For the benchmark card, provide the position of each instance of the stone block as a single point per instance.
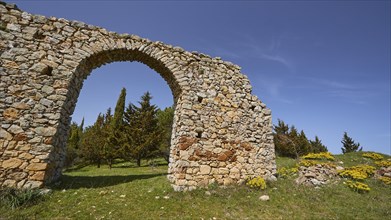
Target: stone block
(18, 176)
(40, 175)
(10, 114)
(37, 166)
(11, 163)
(205, 169)
(30, 184)
(9, 183)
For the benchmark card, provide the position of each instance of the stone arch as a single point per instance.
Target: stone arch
(222, 133)
(99, 57)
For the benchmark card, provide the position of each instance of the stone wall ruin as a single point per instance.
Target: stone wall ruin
(222, 133)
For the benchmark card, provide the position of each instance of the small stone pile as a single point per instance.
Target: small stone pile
(317, 175)
(383, 172)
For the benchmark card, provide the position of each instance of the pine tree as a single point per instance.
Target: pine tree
(317, 146)
(113, 146)
(290, 143)
(303, 145)
(142, 134)
(281, 128)
(349, 145)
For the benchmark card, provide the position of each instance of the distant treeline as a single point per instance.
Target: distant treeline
(133, 133)
(291, 143)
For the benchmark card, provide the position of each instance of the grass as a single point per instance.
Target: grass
(129, 192)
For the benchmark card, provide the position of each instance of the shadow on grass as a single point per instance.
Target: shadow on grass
(77, 167)
(77, 182)
(150, 164)
(118, 164)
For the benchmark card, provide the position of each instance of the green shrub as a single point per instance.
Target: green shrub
(14, 198)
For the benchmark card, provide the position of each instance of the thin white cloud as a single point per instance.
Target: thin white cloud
(269, 52)
(273, 87)
(278, 59)
(226, 53)
(275, 44)
(335, 84)
(350, 92)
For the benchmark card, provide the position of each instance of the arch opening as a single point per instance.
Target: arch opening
(82, 72)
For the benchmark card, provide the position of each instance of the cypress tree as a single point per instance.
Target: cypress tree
(165, 120)
(81, 125)
(117, 121)
(73, 144)
(113, 148)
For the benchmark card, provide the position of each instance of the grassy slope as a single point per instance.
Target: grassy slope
(127, 192)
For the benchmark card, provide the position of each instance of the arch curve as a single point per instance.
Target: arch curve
(221, 133)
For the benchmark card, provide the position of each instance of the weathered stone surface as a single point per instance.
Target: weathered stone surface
(18, 175)
(45, 131)
(26, 156)
(221, 132)
(205, 169)
(317, 175)
(37, 166)
(38, 176)
(14, 129)
(39, 68)
(5, 135)
(9, 183)
(20, 137)
(32, 184)
(12, 163)
(20, 105)
(264, 198)
(10, 114)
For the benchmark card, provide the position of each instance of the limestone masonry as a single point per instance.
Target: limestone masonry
(222, 133)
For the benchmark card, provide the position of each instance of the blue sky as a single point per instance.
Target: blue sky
(323, 66)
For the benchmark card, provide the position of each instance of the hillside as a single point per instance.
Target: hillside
(129, 192)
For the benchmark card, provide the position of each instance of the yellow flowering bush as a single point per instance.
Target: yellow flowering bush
(373, 156)
(321, 155)
(358, 172)
(386, 180)
(257, 182)
(357, 186)
(383, 163)
(309, 163)
(284, 171)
